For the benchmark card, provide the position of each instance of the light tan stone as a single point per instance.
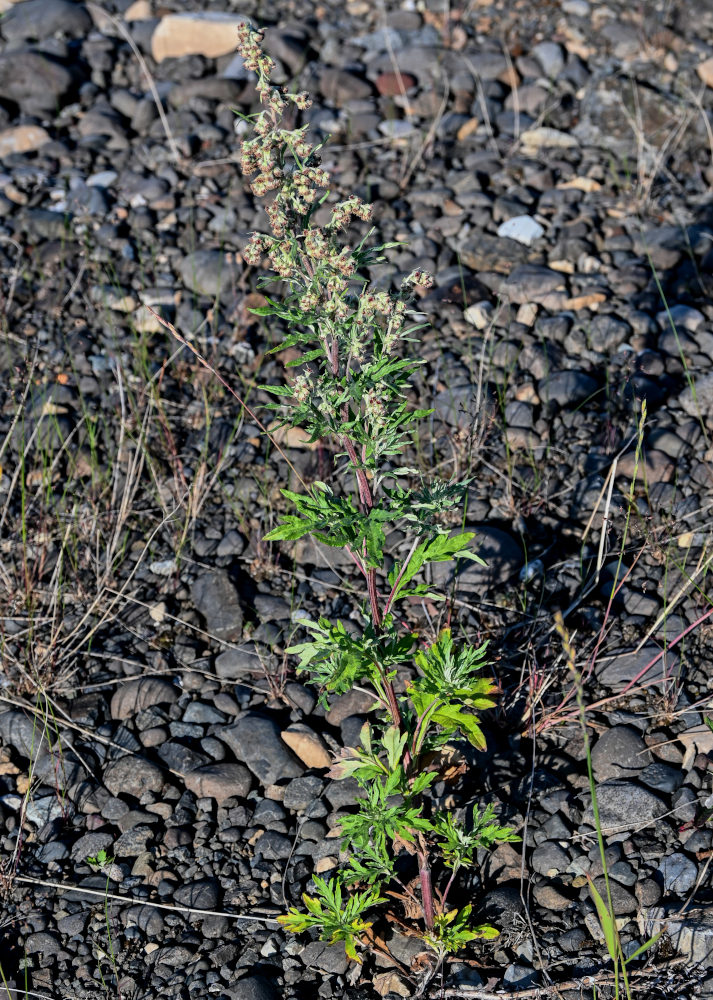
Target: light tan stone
(22, 139)
(139, 10)
(209, 33)
(308, 745)
(705, 71)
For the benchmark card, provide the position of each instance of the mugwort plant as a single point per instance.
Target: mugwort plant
(350, 384)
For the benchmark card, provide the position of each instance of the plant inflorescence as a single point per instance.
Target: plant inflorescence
(350, 384)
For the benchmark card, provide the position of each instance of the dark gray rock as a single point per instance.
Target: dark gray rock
(216, 598)
(133, 775)
(273, 846)
(624, 806)
(141, 692)
(679, 874)
(255, 740)
(549, 859)
(567, 388)
(234, 663)
(501, 552)
(203, 894)
(330, 958)
(38, 84)
(181, 758)
(621, 668)
(90, 845)
(662, 778)
(252, 988)
(35, 20)
(339, 86)
(620, 752)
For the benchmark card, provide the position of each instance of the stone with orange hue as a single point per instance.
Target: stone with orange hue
(392, 84)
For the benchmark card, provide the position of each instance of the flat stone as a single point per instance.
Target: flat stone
(203, 894)
(90, 845)
(679, 874)
(567, 388)
(532, 283)
(544, 137)
(308, 745)
(35, 20)
(133, 775)
(623, 806)
(691, 935)
(141, 692)
(219, 781)
(618, 670)
(521, 228)
(181, 758)
(255, 740)
(274, 846)
(620, 752)
(216, 599)
(133, 842)
(253, 988)
(549, 859)
(208, 33)
(325, 957)
(38, 84)
(392, 84)
(22, 139)
(502, 554)
(209, 273)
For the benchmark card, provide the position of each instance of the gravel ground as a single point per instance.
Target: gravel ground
(550, 163)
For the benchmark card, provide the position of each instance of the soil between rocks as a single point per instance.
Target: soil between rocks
(550, 164)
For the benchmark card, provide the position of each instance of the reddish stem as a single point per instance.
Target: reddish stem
(424, 874)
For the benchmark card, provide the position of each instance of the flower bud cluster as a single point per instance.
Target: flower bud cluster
(417, 277)
(343, 212)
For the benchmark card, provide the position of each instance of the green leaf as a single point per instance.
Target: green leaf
(606, 921)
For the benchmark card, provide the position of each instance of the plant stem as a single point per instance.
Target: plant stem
(424, 874)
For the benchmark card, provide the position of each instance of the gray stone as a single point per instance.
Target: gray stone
(255, 740)
(549, 859)
(623, 901)
(662, 778)
(273, 846)
(252, 988)
(209, 273)
(679, 874)
(133, 842)
(38, 84)
(532, 283)
(90, 845)
(219, 781)
(35, 20)
(203, 894)
(132, 775)
(567, 388)
(691, 934)
(302, 792)
(624, 806)
(42, 943)
(180, 758)
(620, 752)
(216, 599)
(141, 692)
(550, 57)
(623, 667)
(234, 663)
(502, 554)
(329, 958)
